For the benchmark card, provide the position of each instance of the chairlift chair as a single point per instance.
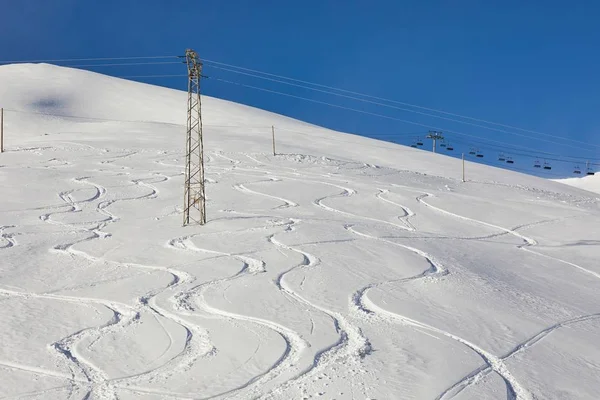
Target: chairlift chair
(449, 147)
(590, 173)
(413, 145)
(577, 170)
(509, 160)
(501, 157)
(479, 154)
(547, 166)
(419, 142)
(472, 151)
(537, 164)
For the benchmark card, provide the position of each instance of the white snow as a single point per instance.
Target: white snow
(589, 182)
(342, 268)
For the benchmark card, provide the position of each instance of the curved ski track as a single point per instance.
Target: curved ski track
(407, 211)
(494, 363)
(123, 315)
(360, 297)
(529, 242)
(186, 302)
(478, 374)
(244, 189)
(8, 238)
(361, 302)
(351, 345)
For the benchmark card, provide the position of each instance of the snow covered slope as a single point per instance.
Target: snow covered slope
(342, 268)
(590, 183)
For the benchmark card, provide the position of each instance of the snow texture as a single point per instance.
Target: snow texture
(588, 182)
(341, 268)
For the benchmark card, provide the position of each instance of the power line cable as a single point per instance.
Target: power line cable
(122, 64)
(84, 59)
(388, 100)
(370, 113)
(151, 76)
(396, 107)
(301, 81)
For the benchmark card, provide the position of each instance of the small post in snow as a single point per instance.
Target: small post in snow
(1, 130)
(273, 132)
(463, 166)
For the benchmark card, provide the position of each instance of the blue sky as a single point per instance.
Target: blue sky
(533, 65)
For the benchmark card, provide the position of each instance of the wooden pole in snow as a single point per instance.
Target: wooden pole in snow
(1, 130)
(273, 132)
(463, 166)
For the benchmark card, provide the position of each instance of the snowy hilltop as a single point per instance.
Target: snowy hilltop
(340, 268)
(590, 183)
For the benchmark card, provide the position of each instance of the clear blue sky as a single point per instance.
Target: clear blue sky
(530, 64)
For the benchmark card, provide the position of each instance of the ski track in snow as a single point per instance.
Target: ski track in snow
(529, 242)
(362, 302)
(352, 344)
(407, 211)
(287, 203)
(123, 315)
(478, 374)
(360, 298)
(188, 297)
(187, 300)
(496, 364)
(8, 238)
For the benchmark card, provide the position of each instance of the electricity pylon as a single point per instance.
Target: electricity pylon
(194, 199)
(435, 135)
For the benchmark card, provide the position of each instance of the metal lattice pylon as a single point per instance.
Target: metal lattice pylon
(194, 207)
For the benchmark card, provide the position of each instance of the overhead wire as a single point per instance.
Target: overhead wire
(218, 64)
(388, 100)
(152, 76)
(581, 159)
(84, 59)
(397, 108)
(121, 64)
(364, 112)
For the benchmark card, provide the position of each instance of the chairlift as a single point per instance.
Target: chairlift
(501, 157)
(588, 171)
(577, 170)
(479, 154)
(443, 144)
(509, 160)
(537, 164)
(419, 142)
(547, 166)
(449, 147)
(472, 151)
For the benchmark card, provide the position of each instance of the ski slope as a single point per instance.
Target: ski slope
(342, 268)
(590, 183)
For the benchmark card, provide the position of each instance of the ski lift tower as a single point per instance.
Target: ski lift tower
(435, 136)
(194, 208)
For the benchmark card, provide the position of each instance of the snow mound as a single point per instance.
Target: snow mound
(590, 183)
